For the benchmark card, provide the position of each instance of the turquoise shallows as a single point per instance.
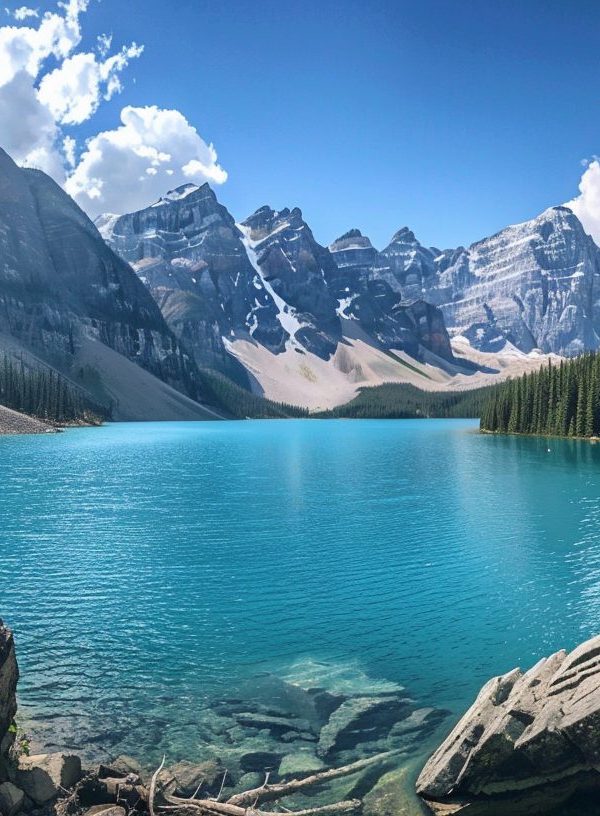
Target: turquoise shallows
(147, 568)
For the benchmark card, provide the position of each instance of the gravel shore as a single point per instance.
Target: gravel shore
(12, 422)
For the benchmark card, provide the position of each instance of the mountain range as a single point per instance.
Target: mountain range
(143, 310)
(263, 302)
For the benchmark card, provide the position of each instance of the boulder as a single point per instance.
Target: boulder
(11, 799)
(392, 795)
(529, 742)
(259, 761)
(126, 765)
(43, 776)
(189, 775)
(275, 725)
(360, 719)
(300, 763)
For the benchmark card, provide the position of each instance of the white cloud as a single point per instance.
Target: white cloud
(103, 44)
(152, 151)
(586, 205)
(23, 12)
(27, 128)
(69, 148)
(26, 48)
(74, 91)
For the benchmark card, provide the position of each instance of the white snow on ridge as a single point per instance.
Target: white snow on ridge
(285, 314)
(105, 224)
(181, 192)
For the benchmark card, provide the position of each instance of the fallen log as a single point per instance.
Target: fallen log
(269, 793)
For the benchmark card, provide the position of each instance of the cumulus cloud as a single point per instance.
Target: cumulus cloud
(74, 91)
(23, 12)
(34, 103)
(26, 48)
(48, 86)
(152, 151)
(586, 205)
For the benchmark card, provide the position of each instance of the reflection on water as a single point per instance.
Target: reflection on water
(149, 569)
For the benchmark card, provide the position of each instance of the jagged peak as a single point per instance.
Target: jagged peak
(183, 191)
(352, 233)
(404, 236)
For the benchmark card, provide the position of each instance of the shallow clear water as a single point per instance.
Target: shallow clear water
(146, 568)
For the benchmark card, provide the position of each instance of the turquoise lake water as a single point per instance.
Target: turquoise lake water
(146, 568)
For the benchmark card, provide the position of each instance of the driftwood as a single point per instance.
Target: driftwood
(212, 808)
(152, 792)
(268, 793)
(245, 804)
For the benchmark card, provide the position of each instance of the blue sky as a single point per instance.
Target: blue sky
(454, 118)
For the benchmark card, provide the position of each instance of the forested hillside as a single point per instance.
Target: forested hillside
(404, 401)
(559, 400)
(45, 394)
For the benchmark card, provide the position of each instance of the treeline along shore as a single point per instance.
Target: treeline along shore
(558, 400)
(561, 399)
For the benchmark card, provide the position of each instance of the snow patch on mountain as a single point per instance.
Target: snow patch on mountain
(285, 314)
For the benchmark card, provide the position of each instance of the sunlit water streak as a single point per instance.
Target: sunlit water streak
(148, 567)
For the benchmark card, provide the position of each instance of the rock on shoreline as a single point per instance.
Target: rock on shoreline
(13, 422)
(529, 743)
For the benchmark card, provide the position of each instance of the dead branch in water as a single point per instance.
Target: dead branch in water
(152, 791)
(212, 808)
(268, 793)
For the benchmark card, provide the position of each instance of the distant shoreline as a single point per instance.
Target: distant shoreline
(14, 423)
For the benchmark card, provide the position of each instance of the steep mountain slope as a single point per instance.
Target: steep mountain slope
(263, 301)
(61, 286)
(532, 285)
(361, 283)
(187, 249)
(295, 268)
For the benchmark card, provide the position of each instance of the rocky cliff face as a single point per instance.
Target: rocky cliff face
(535, 285)
(265, 280)
(187, 249)
(411, 266)
(529, 742)
(296, 268)
(9, 675)
(59, 282)
(368, 291)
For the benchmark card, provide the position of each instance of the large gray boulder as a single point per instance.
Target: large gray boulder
(43, 776)
(529, 742)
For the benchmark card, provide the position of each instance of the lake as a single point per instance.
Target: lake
(149, 569)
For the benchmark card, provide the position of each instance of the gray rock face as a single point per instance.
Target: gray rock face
(369, 292)
(535, 284)
(9, 675)
(266, 279)
(11, 799)
(530, 740)
(187, 249)
(59, 281)
(411, 267)
(297, 269)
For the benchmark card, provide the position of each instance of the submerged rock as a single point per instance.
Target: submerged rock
(529, 742)
(360, 719)
(190, 776)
